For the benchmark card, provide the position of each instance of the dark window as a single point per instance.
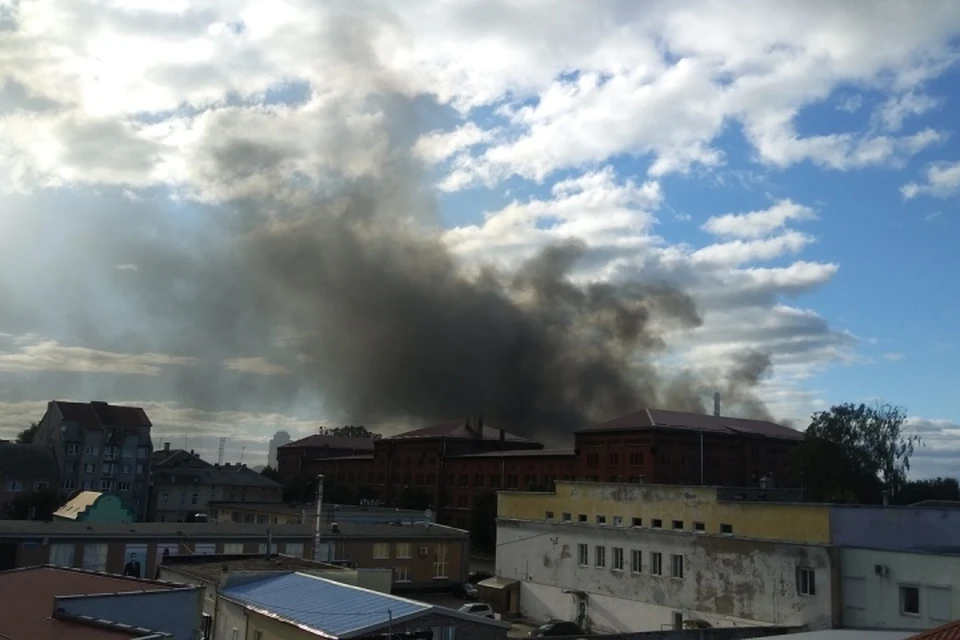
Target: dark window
(601, 519)
(419, 479)
(909, 600)
(582, 517)
(478, 480)
(566, 517)
(806, 581)
(494, 481)
(678, 524)
(699, 526)
(461, 501)
(657, 523)
(464, 480)
(549, 515)
(613, 460)
(380, 478)
(726, 529)
(637, 522)
(593, 460)
(431, 478)
(636, 458)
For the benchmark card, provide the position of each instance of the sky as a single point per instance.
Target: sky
(791, 167)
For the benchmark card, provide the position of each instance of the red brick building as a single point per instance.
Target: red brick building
(455, 462)
(298, 459)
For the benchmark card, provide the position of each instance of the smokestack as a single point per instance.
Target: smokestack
(716, 404)
(317, 522)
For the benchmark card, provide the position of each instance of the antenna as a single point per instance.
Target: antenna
(242, 449)
(184, 442)
(223, 443)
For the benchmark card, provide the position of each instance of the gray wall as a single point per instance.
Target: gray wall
(175, 611)
(894, 528)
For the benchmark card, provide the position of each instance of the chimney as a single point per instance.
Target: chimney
(503, 438)
(166, 446)
(716, 404)
(886, 498)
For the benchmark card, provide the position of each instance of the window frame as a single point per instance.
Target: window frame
(903, 610)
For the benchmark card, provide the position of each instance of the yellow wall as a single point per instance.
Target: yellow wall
(225, 514)
(769, 521)
(272, 629)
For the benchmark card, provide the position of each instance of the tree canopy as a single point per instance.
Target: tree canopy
(350, 431)
(852, 453)
(26, 436)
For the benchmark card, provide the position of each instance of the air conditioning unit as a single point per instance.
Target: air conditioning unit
(424, 551)
(881, 570)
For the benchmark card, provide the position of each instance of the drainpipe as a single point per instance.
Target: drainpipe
(317, 523)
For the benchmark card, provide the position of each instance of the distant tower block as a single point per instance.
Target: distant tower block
(223, 444)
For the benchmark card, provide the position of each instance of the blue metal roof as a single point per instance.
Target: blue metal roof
(333, 609)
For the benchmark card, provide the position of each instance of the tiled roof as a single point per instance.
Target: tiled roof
(226, 475)
(27, 462)
(28, 597)
(681, 420)
(521, 453)
(331, 442)
(949, 631)
(333, 609)
(459, 429)
(98, 413)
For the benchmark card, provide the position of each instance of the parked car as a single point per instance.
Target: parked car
(479, 609)
(556, 628)
(466, 591)
(476, 577)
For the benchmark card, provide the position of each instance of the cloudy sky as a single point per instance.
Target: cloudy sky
(792, 167)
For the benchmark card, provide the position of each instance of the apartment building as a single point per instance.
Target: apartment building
(99, 447)
(455, 463)
(618, 557)
(24, 469)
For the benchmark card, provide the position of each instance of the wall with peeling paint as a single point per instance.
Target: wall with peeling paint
(872, 601)
(726, 580)
(795, 522)
(894, 528)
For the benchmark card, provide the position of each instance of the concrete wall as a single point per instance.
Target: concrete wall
(175, 611)
(727, 581)
(806, 523)
(272, 629)
(894, 528)
(229, 617)
(872, 601)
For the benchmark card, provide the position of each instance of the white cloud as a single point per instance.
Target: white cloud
(941, 180)
(896, 109)
(49, 355)
(437, 146)
(257, 365)
(756, 224)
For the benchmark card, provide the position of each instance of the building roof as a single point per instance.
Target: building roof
(194, 530)
(176, 458)
(331, 442)
(403, 530)
(101, 414)
(27, 462)
(521, 453)
(461, 430)
(937, 504)
(329, 608)
(361, 456)
(212, 567)
(681, 420)
(949, 631)
(230, 475)
(27, 605)
(83, 501)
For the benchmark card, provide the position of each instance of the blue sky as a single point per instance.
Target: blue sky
(800, 183)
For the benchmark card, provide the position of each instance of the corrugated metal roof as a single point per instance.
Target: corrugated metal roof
(331, 608)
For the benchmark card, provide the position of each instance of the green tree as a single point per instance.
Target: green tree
(273, 474)
(852, 453)
(33, 505)
(351, 431)
(26, 436)
(483, 522)
(930, 489)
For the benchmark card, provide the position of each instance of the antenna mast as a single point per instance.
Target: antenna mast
(223, 443)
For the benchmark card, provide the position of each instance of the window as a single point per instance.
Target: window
(677, 620)
(676, 566)
(601, 519)
(600, 556)
(464, 480)
(699, 527)
(401, 574)
(566, 517)
(68, 484)
(582, 517)
(381, 550)
(583, 558)
(233, 548)
(806, 581)
(163, 498)
(678, 524)
(478, 480)
(124, 486)
(726, 529)
(593, 460)
(613, 460)
(71, 466)
(636, 522)
(657, 523)
(618, 559)
(294, 549)
(139, 468)
(909, 600)
(440, 561)
(61, 555)
(549, 515)
(73, 449)
(235, 635)
(95, 557)
(14, 486)
(656, 563)
(636, 561)
(636, 459)
(262, 549)
(142, 453)
(89, 467)
(258, 635)
(106, 485)
(90, 450)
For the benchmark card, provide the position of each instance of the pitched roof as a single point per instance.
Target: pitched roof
(98, 413)
(459, 429)
(232, 475)
(27, 604)
(27, 462)
(949, 631)
(331, 442)
(177, 458)
(682, 420)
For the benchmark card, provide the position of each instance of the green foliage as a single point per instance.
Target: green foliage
(33, 505)
(852, 453)
(350, 431)
(273, 474)
(483, 522)
(930, 489)
(26, 436)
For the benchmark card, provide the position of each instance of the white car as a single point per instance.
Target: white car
(479, 609)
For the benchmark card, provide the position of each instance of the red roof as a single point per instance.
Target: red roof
(332, 442)
(102, 414)
(459, 429)
(949, 631)
(27, 604)
(681, 420)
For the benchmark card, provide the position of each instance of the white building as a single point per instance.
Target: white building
(899, 589)
(640, 579)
